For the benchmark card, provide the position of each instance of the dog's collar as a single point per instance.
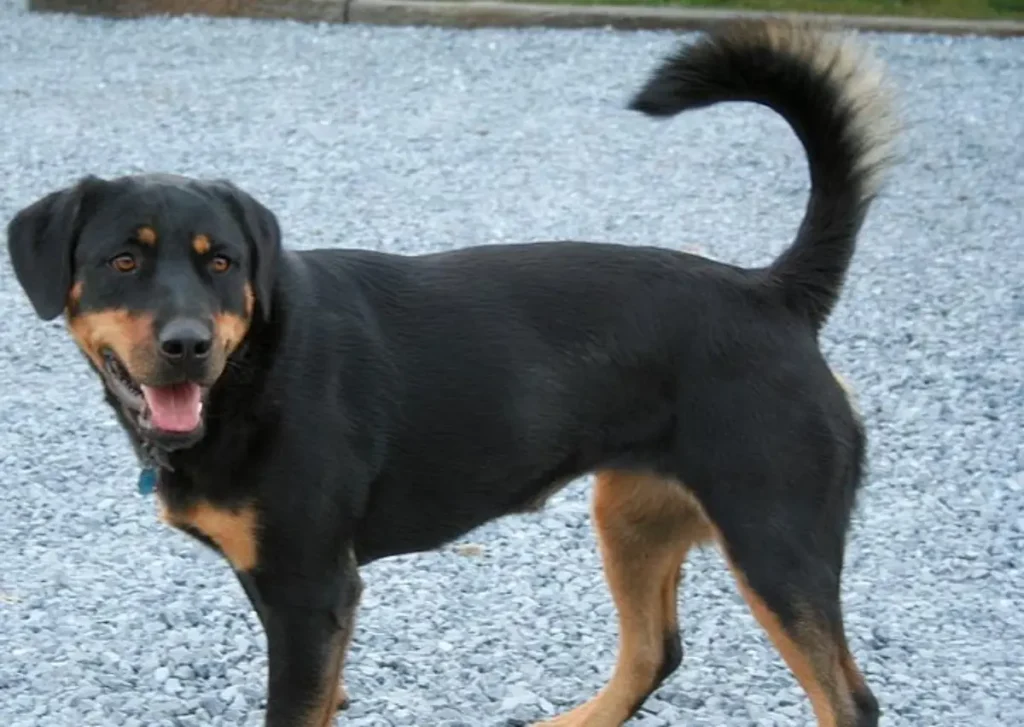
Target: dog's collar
(153, 460)
(147, 480)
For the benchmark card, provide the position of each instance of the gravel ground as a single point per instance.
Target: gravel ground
(414, 140)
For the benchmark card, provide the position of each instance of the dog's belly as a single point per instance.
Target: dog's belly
(416, 526)
(411, 515)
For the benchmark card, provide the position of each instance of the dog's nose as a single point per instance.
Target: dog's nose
(185, 339)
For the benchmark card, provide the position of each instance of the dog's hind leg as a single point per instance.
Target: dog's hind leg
(803, 620)
(786, 556)
(645, 525)
(342, 700)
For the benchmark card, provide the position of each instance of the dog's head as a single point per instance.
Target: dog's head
(159, 278)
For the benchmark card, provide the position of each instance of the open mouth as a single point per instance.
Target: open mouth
(176, 409)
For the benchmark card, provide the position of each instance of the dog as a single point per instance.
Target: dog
(304, 413)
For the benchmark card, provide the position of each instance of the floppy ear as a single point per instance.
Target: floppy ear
(264, 235)
(41, 243)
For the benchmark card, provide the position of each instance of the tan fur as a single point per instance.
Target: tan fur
(812, 655)
(234, 531)
(322, 712)
(129, 335)
(250, 300)
(75, 295)
(851, 395)
(333, 693)
(201, 244)
(851, 672)
(646, 525)
(146, 235)
(230, 329)
(341, 694)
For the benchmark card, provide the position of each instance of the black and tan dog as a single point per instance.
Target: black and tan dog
(309, 412)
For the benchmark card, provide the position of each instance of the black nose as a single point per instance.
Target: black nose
(185, 339)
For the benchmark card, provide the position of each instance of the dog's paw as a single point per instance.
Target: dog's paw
(341, 700)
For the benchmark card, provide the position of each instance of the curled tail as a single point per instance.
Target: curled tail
(832, 93)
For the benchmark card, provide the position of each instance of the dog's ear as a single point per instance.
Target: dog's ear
(264, 235)
(41, 243)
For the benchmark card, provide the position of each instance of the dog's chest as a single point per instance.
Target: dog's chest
(230, 530)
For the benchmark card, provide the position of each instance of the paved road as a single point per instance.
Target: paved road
(416, 140)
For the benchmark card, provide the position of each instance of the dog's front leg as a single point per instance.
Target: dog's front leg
(308, 626)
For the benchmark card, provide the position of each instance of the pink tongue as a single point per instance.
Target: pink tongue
(174, 408)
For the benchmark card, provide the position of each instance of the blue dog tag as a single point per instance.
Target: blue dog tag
(147, 481)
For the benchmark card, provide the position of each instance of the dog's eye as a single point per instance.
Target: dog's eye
(220, 264)
(123, 263)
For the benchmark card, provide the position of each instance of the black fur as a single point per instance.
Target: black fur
(263, 234)
(41, 240)
(728, 66)
(384, 404)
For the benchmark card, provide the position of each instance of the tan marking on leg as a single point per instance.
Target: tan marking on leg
(812, 655)
(146, 235)
(851, 672)
(341, 699)
(851, 395)
(233, 531)
(322, 713)
(201, 244)
(860, 691)
(646, 525)
(162, 513)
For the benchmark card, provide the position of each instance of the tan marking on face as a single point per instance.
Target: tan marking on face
(75, 295)
(230, 329)
(232, 530)
(129, 335)
(146, 235)
(201, 244)
(250, 300)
